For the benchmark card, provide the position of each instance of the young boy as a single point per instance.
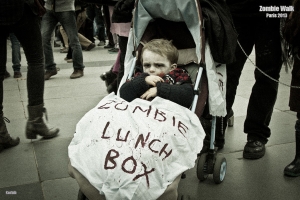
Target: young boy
(161, 77)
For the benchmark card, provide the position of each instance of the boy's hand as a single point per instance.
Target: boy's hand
(152, 92)
(153, 79)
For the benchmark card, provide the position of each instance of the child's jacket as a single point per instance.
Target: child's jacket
(177, 87)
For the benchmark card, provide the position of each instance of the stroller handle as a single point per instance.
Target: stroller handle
(194, 104)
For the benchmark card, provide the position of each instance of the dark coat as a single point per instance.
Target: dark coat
(219, 30)
(11, 11)
(181, 94)
(291, 34)
(123, 11)
(295, 92)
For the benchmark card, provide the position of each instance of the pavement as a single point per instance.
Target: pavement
(37, 169)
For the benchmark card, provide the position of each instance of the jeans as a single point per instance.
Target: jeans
(263, 34)
(107, 25)
(27, 30)
(16, 53)
(68, 21)
(94, 14)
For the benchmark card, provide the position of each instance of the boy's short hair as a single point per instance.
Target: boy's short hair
(162, 47)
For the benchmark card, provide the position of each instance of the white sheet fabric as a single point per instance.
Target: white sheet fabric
(135, 150)
(217, 79)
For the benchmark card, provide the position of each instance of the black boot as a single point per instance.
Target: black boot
(108, 77)
(293, 169)
(6, 141)
(36, 125)
(219, 134)
(113, 87)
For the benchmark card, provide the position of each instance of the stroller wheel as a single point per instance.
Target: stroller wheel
(81, 196)
(202, 173)
(219, 169)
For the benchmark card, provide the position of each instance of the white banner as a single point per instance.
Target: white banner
(217, 79)
(135, 150)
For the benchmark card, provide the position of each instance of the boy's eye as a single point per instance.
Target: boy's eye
(160, 65)
(146, 65)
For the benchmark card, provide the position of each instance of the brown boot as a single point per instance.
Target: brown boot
(5, 140)
(77, 73)
(50, 73)
(17, 74)
(36, 126)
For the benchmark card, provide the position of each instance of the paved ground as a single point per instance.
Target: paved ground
(37, 169)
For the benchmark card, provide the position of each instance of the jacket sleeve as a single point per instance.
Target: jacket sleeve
(135, 88)
(181, 94)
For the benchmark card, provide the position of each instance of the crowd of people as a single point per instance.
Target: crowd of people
(48, 20)
(35, 34)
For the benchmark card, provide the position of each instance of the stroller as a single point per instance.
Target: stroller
(180, 22)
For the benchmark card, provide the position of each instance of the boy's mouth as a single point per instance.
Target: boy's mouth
(161, 75)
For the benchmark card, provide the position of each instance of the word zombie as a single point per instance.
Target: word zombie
(145, 141)
(157, 114)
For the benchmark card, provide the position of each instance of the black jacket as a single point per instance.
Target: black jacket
(181, 94)
(11, 11)
(219, 30)
(123, 11)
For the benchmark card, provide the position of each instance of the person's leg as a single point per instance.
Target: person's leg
(65, 38)
(58, 37)
(244, 28)
(123, 45)
(48, 24)
(81, 17)
(3, 60)
(264, 91)
(293, 169)
(6, 141)
(234, 70)
(171, 192)
(100, 25)
(84, 185)
(28, 33)
(67, 19)
(116, 42)
(68, 58)
(16, 53)
(29, 36)
(85, 43)
(89, 23)
(111, 43)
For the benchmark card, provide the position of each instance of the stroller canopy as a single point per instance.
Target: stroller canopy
(179, 21)
(172, 10)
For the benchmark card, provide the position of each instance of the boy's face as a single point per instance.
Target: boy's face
(155, 64)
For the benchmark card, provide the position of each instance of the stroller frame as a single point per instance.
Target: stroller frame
(210, 162)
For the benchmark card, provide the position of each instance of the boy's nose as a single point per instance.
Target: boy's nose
(152, 69)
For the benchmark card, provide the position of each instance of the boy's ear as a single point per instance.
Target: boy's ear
(173, 66)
